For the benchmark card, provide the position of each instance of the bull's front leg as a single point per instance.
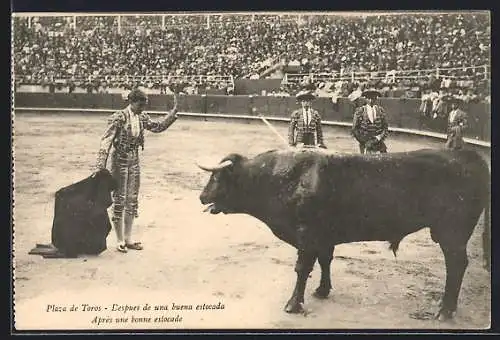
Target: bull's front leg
(303, 267)
(325, 284)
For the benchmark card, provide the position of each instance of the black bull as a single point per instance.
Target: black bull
(314, 201)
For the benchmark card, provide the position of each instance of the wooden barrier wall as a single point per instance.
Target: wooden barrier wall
(401, 113)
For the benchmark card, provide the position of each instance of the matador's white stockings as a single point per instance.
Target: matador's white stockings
(129, 221)
(123, 229)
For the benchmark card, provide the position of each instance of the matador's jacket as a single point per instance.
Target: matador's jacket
(457, 124)
(370, 134)
(305, 127)
(124, 135)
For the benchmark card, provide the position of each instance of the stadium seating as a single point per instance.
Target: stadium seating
(93, 52)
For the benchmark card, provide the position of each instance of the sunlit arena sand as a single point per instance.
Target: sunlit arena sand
(191, 257)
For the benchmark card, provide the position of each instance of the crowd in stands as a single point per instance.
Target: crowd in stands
(431, 92)
(467, 90)
(102, 52)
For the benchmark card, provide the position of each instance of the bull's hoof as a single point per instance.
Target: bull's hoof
(444, 315)
(294, 307)
(321, 293)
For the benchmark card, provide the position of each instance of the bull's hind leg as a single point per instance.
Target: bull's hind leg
(325, 284)
(303, 267)
(456, 262)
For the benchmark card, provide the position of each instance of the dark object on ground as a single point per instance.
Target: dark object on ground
(81, 222)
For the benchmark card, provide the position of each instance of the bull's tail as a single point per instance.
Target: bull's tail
(487, 237)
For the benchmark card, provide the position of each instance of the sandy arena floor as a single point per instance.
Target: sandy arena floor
(192, 258)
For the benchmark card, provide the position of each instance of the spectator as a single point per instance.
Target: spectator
(234, 45)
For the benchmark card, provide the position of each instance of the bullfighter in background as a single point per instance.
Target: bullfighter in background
(305, 123)
(457, 124)
(370, 127)
(124, 135)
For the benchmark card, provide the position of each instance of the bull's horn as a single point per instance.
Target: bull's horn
(219, 166)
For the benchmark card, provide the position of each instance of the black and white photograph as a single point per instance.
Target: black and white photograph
(253, 170)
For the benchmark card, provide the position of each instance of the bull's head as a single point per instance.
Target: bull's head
(221, 192)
